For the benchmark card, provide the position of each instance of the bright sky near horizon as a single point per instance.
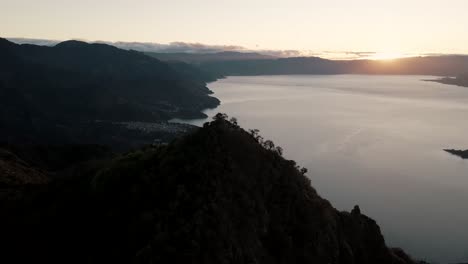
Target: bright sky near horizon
(386, 27)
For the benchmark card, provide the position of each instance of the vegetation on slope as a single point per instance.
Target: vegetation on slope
(63, 92)
(218, 195)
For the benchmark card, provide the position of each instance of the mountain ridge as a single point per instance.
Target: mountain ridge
(67, 91)
(198, 58)
(218, 195)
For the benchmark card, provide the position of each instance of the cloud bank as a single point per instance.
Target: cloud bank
(184, 47)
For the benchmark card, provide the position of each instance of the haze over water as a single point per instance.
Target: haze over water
(376, 141)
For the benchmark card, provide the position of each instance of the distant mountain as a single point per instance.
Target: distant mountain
(197, 58)
(51, 91)
(218, 195)
(226, 61)
(435, 65)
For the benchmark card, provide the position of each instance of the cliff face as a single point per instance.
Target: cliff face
(219, 195)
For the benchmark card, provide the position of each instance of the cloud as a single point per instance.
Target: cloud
(186, 47)
(288, 53)
(175, 47)
(349, 55)
(40, 42)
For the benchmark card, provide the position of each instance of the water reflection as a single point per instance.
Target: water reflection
(375, 141)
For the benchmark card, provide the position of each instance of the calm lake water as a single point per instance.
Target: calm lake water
(376, 141)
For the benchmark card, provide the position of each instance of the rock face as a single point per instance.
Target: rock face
(219, 195)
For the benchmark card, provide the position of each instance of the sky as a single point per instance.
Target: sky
(393, 27)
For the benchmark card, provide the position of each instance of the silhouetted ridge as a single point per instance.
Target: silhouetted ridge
(6, 43)
(72, 44)
(218, 195)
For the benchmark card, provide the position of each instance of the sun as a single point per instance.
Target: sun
(386, 56)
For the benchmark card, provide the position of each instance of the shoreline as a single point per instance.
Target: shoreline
(449, 81)
(459, 153)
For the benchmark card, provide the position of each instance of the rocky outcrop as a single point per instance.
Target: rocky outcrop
(16, 176)
(16, 172)
(460, 153)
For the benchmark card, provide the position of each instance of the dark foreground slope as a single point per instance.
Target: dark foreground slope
(219, 195)
(75, 91)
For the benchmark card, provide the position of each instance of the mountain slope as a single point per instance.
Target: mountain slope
(197, 58)
(219, 195)
(51, 90)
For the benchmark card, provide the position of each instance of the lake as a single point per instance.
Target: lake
(375, 141)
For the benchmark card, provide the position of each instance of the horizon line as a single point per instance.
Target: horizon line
(201, 48)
